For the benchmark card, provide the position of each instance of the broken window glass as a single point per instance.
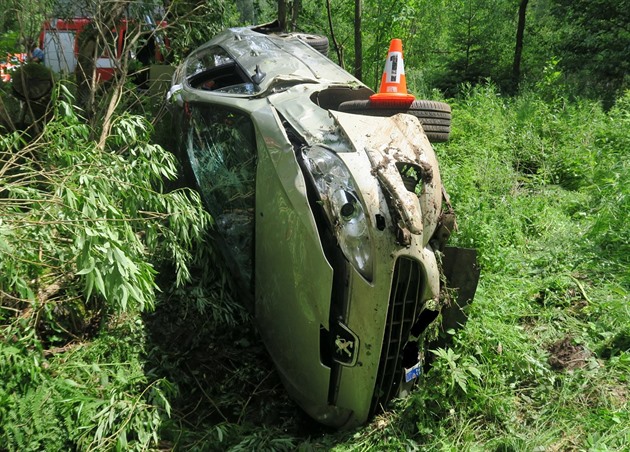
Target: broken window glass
(222, 152)
(213, 57)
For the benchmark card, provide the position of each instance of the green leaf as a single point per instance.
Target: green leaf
(89, 268)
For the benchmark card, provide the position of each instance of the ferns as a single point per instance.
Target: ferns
(93, 396)
(34, 423)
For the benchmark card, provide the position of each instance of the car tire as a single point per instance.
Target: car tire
(434, 116)
(318, 42)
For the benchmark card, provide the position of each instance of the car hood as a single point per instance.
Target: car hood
(405, 165)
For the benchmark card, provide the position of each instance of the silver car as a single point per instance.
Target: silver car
(331, 213)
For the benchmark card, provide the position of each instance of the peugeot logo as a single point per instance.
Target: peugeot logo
(346, 345)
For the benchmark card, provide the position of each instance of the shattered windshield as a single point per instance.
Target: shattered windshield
(215, 70)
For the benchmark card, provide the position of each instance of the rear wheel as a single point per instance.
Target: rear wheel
(435, 117)
(318, 42)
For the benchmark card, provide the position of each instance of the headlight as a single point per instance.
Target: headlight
(342, 205)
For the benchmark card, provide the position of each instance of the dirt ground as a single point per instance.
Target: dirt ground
(566, 355)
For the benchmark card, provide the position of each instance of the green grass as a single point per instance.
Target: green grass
(541, 191)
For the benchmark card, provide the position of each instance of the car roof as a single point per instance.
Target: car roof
(280, 58)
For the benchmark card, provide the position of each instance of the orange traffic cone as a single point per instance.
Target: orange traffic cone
(393, 83)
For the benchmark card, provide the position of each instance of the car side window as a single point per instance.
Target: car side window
(221, 149)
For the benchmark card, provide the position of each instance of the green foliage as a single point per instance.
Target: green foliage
(193, 23)
(84, 226)
(9, 43)
(457, 373)
(473, 26)
(388, 20)
(94, 212)
(611, 190)
(20, 24)
(595, 43)
(265, 440)
(447, 44)
(91, 396)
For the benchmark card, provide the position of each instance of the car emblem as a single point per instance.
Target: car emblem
(346, 346)
(343, 345)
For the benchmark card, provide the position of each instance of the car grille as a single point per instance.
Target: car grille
(404, 302)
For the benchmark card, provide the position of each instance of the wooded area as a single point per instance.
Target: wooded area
(118, 325)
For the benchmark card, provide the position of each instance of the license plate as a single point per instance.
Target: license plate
(413, 372)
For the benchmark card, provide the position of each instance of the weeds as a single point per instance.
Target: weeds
(82, 229)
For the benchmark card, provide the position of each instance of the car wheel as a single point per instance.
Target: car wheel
(318, 42)
(435, 117)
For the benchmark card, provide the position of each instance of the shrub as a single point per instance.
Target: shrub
(83, 227)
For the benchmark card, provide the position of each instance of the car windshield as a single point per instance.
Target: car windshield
(212, 58)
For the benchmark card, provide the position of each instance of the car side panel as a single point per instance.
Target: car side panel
(293, 277)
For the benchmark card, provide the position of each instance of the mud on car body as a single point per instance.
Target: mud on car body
(335, 220)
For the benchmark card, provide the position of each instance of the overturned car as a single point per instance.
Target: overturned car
(330, 212)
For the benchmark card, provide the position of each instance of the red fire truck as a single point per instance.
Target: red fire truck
(59, 39)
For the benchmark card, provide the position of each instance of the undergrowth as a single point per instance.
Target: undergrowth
(540, 188)
(83, 227)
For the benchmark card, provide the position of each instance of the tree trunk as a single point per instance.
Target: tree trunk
(297, 4)
(282, 14)
(518, 50)
(358, 43)
(93, 40)
(469, 39)
(85, 70)
(338, 48)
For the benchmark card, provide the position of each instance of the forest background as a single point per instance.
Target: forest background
(118, 327)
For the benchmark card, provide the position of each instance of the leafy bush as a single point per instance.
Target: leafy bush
(192, 24)
(90, 395)
(83, 227)
(540, 189)
(97, 212)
